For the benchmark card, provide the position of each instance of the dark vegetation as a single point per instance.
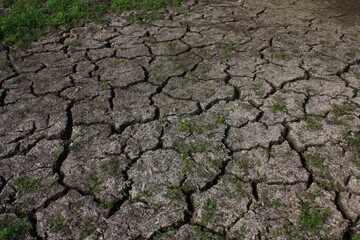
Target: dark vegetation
(24, 20)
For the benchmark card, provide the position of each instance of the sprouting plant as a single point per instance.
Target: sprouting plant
(220, 119)
(58, 223)
(13, 229)
(27, 185)
(209, 208)
(112, 167)
(311, 218)
(317, 161)
(16, 80)
(209, 93)
(313, 122)
(279, 104)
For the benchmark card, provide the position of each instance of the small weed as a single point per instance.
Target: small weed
(76, 147)
(271, 49)
(94, 182)
(25, 110)
(317, 161)
(152, 16)
(200, 233)
(213, 162)
(324, 42)
(356, 75)
(89, 229)
(27, 185)
(294, 50)
(174, 193)
(247, 106)
(279, 104)
(340, 110)
(208, 213)
(162, 120)
(3, 64)
(240, 191)
(188, 163)
(210, 205)
(356, 237)
(205, 70)
(350, 54)
(179, 66)
(311, 196)
(278, 107)
(73, 43)
(354, 143)
(114, 62)
(285, 56)
(276, 203)
(208, 127)
(105, 204)
(284, 91)
(192, 77)
(198, 148)
(311, 218)
(228, 48)
(313, 123)
(241, 162)
(171, 87)
(164, 235)
(258, 89)
(135, 19)
(308, 89)
(13, 229)
(58, 224)
(172, 46)
(103, 85)
(78, 134)
(16, 80)
(220, 119)
(159, 78)
(316, 55)
(313, 70)
(209, 93)
(112, 167)
(210, 1)
(66, 84)
(186, 126)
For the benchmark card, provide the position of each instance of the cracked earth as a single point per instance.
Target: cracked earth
(230, 120)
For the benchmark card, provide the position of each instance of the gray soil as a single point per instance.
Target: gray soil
(230, 120)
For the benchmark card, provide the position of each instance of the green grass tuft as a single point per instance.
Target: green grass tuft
(11, 229)
(356, 237)
(313, 122)
(311, 219)
(27, 185)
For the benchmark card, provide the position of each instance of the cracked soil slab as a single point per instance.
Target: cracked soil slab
(215, 120)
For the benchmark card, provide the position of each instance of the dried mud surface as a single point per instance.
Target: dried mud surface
(230, 120)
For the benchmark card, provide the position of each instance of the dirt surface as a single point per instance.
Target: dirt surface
(231, 120)
(345, 12)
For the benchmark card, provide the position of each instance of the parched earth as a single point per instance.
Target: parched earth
(230, 120)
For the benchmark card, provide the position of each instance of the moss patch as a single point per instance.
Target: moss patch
(27, 185)
(12, 229)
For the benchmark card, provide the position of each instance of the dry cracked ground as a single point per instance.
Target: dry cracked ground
(230, 120)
